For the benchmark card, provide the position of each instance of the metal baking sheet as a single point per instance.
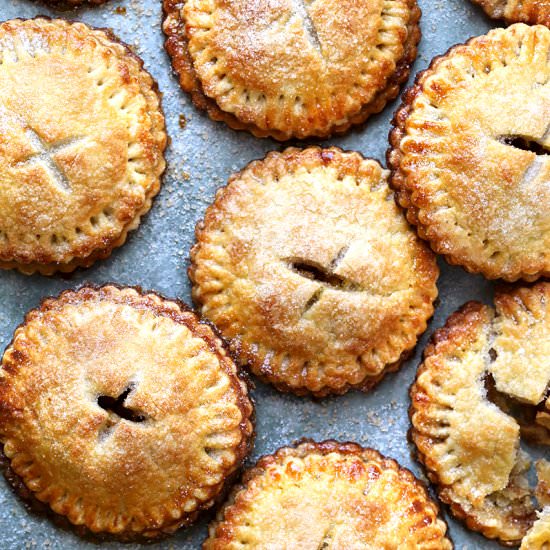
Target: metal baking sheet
(201, 157)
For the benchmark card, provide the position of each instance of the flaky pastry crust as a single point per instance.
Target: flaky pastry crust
(291, 68)
(147, 464)
(470, 154)
(311, 272)
(469, 445)
(516, 11)
(81, 144)
(328, 495)
(538, 537)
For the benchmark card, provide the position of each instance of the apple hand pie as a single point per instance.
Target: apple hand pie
(311, 272)
(470, 154)
(81, 144)
(292, 68)
(328, 495)
(121, 412)
(479, 369)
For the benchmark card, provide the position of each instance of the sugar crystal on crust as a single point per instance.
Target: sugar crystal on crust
(466, 434)
(328, 495)
(470, 154)
(121, 411)
(311, 272)
(81, 147)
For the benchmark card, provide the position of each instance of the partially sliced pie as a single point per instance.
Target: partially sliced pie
(482, 367)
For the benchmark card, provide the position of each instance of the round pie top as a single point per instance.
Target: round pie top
(81, 144)
(292, 68)
(480, 367)
(121, 411)
(328, 495)
(311, 272)
(471, 154)
(515, 11)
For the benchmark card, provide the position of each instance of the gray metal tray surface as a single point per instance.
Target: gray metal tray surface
(201, 156)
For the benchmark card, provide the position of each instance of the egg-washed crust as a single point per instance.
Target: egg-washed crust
(317, 123)
(66, 510)
(532, 12)
(421, 189)
(350, 464)
(108, 224)
(451, 415)
(288, 341)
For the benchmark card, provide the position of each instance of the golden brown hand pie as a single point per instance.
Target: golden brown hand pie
(515, 11)
(467, 441)
(312, 273)
(121, 411)
(471, 154)
(328, 495)
(81, 144)
(292, 68)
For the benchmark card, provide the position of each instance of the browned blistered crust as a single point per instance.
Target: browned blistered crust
(507, 514)
(304, 466)
(101, 522)
(532, 12)
(177, 47)
(315, 360)
(81, 246)
(417, 201)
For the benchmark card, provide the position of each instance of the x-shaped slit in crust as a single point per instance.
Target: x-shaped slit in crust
(45, 155)
(328, 535)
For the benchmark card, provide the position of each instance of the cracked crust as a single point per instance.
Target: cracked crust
(328, 495)
(292, 92)
(469, 445)
(81, 155)
(110, 474)
(479, 201)
(311, 272)
(518, 11)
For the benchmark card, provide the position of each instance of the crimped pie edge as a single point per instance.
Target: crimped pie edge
(305, 447)
(86, 256)
(179, 312)
(176, 46)
(256, 360)
(404, 195)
